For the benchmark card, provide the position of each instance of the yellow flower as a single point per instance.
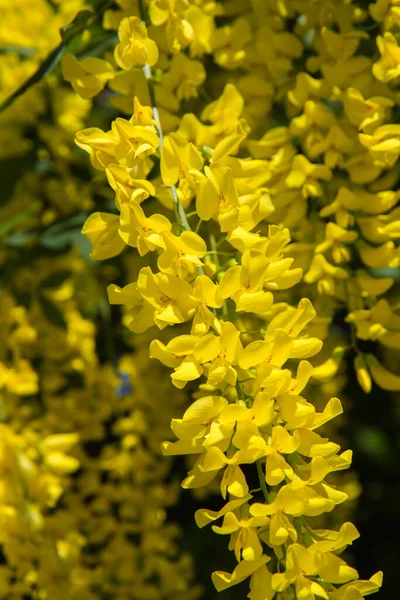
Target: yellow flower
(203, 28)
(245, 283)
(388, 66)
(102, 231)
(169, 295)
(359, 588)
(217, 192)
(178, 31)
(306, 176)
(326, 276)
(362, 373)
(134, 48)
(277, 50)
(181, 255)
(135, 142)
(54, 448)
(140, 312)
(245, 569)
(139, 231)
(383, 144)
(381, 376)
(184, 77)
(222, 352)
(99, 145)
(126, 188)
(302, 562)
(206, 294)
(194, 426)
(177, 158)
(244, 539)
(179, 355)
(88, 76)
(366, 115)
(229, 41)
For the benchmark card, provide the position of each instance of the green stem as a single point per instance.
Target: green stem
(261, 478)
(239, 390)
(180, 212)
(217, 253)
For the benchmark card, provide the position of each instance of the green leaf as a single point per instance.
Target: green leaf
(52, 312)
(55, 280)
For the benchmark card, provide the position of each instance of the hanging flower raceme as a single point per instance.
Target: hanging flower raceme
(256, 258)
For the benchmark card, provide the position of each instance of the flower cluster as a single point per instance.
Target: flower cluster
(84, 489)
(273, 235)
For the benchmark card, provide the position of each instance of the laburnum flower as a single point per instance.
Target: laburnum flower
(139, 313)
(358, 589)
(384, 378)
(177, 158)
(88, 76)
(229, 41)
(282, 339)
(362, 373)
(196, 424)
(21, 379)
(139, 231)
(358, 200)
(179, 355)
(203, 28)
(128, 85)
(169, 295)
(245, 283)
(245, 569)
(336, 58)
(306, 176)
(302, 564)
(126, 188)
(178, 31)
(327, 276)
(100, 146)
(222, 352)
(135, 47)
(184, 77)
(335, 239)
(379, 257)
(217, 192)
(54, 450)
(206, 295)
(378, 323)
(102, 231)
(260, 268)
(244, 539)
(383, 144)
(277, 50)
(388, 66)
(366, 114)
(135, 142)
(181, 255)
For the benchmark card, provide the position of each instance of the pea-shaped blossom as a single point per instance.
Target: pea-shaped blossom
(88, 76)
(135, 47)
